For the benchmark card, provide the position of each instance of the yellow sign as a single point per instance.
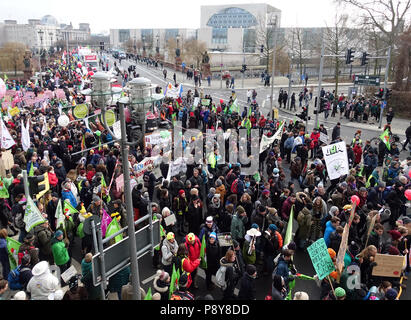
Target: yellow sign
(276, 115)
(46, 183)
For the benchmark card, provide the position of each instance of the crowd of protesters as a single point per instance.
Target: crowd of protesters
(241, 219)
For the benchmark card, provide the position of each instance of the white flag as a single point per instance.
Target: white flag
(44, 128)
(25, 136)
(59, 215)
(6, 139)
(32, 215)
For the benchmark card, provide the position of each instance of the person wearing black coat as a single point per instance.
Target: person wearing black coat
(394, 201)
(336, 132)
(213, 253)
(247, 284)
(375, 196)
(86, 193)
(194, 214)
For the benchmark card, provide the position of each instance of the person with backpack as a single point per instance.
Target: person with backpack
(4, 256)
(282, 268)
(161, 284)
(278, 288)
(27, 247)
(25, 272)
(185, 264)
(182, 293)
(272, 244)
(237, 186)
(228, 275)
(43, 236)
(149, 181)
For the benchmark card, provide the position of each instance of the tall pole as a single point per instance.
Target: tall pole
(26, 184)
(387, 67)
(290, 69)
(273, 71)
(135, 278)
(221, 70)
(320, 79)
(242, 81)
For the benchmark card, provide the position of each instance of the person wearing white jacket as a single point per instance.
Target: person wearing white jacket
(43, 283)
(168, 251)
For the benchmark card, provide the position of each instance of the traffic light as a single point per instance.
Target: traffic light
(244, 68)
(380, 93)
(34, 185)
(101, 45)
(262, 48)
(350, 56)
(388, 94)
(364, 59)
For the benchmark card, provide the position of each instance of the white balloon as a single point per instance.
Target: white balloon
(63, 120)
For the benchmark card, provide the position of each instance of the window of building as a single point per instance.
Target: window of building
(232, 18)
(219, 35)
(124, 35)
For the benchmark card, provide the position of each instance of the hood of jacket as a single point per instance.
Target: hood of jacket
(224, 263)
(159, 285)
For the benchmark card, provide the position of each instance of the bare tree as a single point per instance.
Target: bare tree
(403, 63)
(193, 51)
(12, 56)
(387, 16)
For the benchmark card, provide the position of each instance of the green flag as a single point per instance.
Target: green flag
(5, 77)
(203, 263)
(4, 193)
(60, 216)
(385, 137)
(31, 172)
(32, 215)
(173, 282)
(104, 185)
(289, 234)
(148, 295)
(257, 177)
(304, 277)
(235, 107)
(291, 286)
(13, 247)
(68, 208)
(113, 228)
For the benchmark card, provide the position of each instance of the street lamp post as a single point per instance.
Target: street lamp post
(158, 45)
(40, 32)
(144, 46)
(273, 24)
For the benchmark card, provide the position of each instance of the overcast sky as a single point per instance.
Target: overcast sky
(103, 15)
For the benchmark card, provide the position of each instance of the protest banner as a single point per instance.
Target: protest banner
(336, 160)
(388, 265)
(372, 224)
(267, 141)
(32, 215)
(324, 138)
(321, 259)
(162, 138)
(170, 220)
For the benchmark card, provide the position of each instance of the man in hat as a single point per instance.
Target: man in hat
(60, 252)
(247, 284)
(272, 243)
(207, 228)
(182, 293)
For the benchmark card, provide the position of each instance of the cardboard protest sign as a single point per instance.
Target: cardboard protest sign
(324, 138)
(320, 258)
(388, 265)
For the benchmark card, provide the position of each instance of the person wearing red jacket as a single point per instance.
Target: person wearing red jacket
(193, 246)
(357, 153)
(185, 264)
(53, 180)
(262, 122)
(315, 137)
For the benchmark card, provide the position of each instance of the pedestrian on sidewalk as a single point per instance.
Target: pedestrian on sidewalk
(249, 93)
(232, 82)
(390, 115)
(175, 79)
(165, 74)
(209, 80)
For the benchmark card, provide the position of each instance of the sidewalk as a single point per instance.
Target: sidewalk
(398, 126)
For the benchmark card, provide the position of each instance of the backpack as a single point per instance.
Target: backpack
(20, 255)
(14, 278)
(220, 277)
(234, 186)
(18, 220)
(180, 295)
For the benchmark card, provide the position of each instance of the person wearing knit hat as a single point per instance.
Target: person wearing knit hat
(255, 226)
(301, 295)
(340, 293)
(395, 235)
(156, 296)
(161, 284)
(60, 252)
(247, 284)
(169, 250)
(332, 253)
(391, 294)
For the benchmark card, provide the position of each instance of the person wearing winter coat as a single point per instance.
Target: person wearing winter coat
(304, 220)
(194, 214)
(249, 258)
(185, 264)
(193, 245)
(247, 284)
(329, 228)
(282, 268)
(318, 213)
(272, 245)
(43, 283)
(238, 225)
(66, 193)
(207, 228)
(161, 284)
(117, 281)
(213, 254)
(94, 292)
(335, 238)
(286, 207)
(44, 236)
(232, 274)
(278, 288)
(60, 253)
(168, 252)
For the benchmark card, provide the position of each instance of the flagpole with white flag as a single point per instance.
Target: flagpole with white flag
(6, 139)
(25, 137)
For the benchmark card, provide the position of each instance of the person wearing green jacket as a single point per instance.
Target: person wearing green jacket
(94, 292)
(238, 223)
(60, 252)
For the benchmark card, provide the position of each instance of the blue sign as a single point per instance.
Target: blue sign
(383, 105)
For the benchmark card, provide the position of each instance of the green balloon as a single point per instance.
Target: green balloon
(98, 133)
